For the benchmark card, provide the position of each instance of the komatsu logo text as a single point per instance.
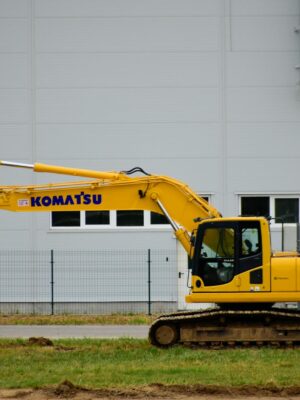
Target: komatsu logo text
(68, 200)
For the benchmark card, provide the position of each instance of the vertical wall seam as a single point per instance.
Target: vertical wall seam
(32, 102)
(223, 107)
(33, 78)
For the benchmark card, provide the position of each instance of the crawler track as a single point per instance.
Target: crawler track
(220, 328)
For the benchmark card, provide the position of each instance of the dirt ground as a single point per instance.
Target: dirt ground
(66, 390)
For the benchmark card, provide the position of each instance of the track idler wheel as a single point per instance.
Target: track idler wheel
(165, 334)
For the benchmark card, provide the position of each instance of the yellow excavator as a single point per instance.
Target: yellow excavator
(231, 261)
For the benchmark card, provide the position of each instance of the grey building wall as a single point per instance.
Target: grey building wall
(205, 91)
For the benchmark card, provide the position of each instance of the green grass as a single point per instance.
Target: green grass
(131, 363)
(114, 319)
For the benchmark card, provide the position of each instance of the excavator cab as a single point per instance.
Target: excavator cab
(225, 250)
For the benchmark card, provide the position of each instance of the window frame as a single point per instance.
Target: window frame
(273, 208)
(113, 222)
(112, 225)
(272, 198)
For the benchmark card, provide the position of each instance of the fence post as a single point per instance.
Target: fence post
(282, 235)
(52, 282)
(149, 282)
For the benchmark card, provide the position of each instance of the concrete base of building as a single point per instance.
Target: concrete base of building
(87, 308)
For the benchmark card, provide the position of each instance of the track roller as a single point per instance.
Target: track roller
(164, 334)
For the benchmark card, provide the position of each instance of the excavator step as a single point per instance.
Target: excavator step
(217, 327)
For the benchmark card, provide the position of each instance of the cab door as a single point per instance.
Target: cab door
(229, 254)
(216, 256)
(250, 259)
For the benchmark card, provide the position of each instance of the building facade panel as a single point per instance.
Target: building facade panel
(14, 8)
(263, 140)
(265, 7)
(265, 104)
(14, 106)
(127, 70)
(118, 239)
(120, 34)
(266, 33)
(118, 141)
(14, 35)
(14, 70)
(16, 238)
(84, 106)
(117, 8)
(15, 221)
(259, 175)
(15, 141)
(268, 69)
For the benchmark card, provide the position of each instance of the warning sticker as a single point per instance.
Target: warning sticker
(23, 203)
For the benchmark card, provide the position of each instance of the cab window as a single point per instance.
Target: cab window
(216, 261)
(228, 249)
(250, 239)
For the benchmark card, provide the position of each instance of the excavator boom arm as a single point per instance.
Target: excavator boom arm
(110, 191)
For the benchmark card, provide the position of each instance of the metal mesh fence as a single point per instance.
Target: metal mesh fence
(88, 282)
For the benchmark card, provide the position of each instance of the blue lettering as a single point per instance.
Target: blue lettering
(46, 201)
(97, 198)
(35, 201)
(57, 201)
(60, 200)
(78, 198)
(69, 200)
(87, 199)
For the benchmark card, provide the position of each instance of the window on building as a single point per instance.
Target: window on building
(130, 218)
(97, 217)
(279, 208)
(107, 219)
(110, 219)
(287, 210)
(158, 219)
(258, 206)
(65, 218)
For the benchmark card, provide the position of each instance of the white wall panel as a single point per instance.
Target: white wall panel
(14, 8)
(13, 35)
(104, 8)
(262, 69)
(130, 105)
(265, 140)
(12, 176)
(15, 239)
(14, 70)
(14, 106)
(127, 69)
(128, 239)
(264, 33)
(113, 141)
(14, 221)
(264, 7)
(15, 142)
(262, 175)
(127, 34)
(264, 104)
